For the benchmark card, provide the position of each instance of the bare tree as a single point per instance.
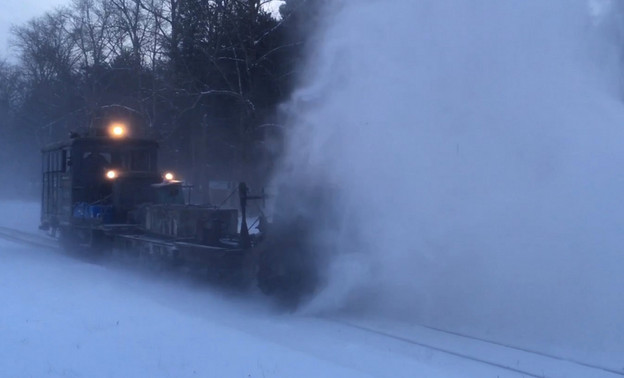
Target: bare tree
(208, 74)
(133, 28)
(47, 47)
(91, 22)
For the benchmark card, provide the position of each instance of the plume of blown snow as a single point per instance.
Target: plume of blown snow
(475, 149)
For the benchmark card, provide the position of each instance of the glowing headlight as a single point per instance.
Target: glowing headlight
(117, 130)
(169, 176)
(111, 175)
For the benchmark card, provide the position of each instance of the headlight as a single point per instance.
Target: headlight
(168, 176)
(118, 130)
(112, 174)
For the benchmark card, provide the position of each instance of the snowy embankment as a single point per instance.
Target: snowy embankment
(62, 316)
(65, 317)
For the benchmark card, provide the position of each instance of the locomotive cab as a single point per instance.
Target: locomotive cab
(97, 179)
(104, 191)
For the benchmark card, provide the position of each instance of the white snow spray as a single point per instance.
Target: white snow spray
(475, 152)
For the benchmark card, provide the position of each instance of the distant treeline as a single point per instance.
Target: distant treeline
(208, 76)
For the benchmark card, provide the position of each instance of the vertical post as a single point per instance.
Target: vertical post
(244, 232)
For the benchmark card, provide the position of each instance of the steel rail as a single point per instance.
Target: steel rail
(481, 360)
(440, 349)
(28, 238)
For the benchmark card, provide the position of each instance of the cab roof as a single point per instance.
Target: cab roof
(101, 141)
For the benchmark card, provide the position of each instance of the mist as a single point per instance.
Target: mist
(474, 151)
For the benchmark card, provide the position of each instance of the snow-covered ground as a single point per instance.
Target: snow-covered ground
(65, 317)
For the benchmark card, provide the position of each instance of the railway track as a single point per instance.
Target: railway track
(27, 238)
(531, 351)
(510, 358)
(522, 361)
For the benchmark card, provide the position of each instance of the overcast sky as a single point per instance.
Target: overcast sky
(15, 12)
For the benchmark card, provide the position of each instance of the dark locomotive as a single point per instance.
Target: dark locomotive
(103, 192)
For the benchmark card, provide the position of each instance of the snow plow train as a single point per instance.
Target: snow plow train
(103, 192)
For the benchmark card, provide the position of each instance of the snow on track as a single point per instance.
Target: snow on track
(69, 318)
(64, 317)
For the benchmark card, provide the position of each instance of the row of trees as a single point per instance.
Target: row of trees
(208, 75)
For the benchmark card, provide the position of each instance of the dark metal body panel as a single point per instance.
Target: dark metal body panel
(70, 176)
